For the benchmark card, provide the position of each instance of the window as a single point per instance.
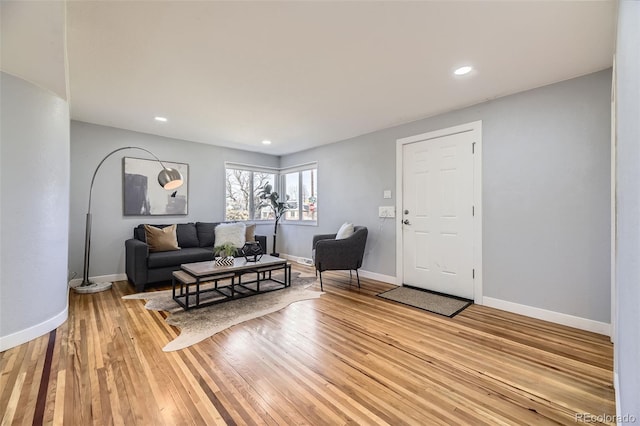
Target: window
(296, 186)
(291, 181)
(243, 189)
(301, 189)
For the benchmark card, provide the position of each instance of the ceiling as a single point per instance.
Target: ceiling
(303, 74)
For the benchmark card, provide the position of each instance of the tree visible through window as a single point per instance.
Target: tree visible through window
(243, 187)
(298, 188)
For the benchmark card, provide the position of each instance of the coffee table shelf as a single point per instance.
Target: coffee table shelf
(202, 284)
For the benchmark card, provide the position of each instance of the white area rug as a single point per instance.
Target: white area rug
(198, 324)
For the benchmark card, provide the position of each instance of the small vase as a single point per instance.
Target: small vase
(224, 261)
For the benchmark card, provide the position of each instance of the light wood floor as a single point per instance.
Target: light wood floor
(346, 358)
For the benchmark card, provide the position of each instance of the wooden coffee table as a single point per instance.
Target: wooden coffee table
(203, 283)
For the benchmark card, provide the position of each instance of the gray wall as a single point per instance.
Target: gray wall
(546, 186)
(34, 210)
(546, 170)
(90, 143)
(627, 348)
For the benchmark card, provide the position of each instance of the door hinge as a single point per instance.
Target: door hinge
(473, 147)
(473, 210)
(473, 273)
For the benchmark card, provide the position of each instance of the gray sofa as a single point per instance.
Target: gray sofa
(196, 241)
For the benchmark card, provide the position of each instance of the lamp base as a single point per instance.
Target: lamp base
(93, 287)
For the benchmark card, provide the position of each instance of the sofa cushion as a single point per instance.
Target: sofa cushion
(232, 233)
(138, 233)
(161, 239)
(187, 235)
(177, 258)
(206, 233)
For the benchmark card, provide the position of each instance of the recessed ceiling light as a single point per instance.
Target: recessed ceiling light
(163, 119)
(266, 142)
(463, 70)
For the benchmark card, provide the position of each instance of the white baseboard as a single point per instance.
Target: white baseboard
(616, 387)
(23, 336)
(365, 274)
(551, 316)
(378, 277)
(100, 278)
(372, 275)
(298, 259)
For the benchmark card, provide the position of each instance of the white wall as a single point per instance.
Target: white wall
(546, 188)
(627, 348)
(34, 174)
(90, 143)
(35, 211)
(33, 42)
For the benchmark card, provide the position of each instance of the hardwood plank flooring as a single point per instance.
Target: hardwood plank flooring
(348, 357)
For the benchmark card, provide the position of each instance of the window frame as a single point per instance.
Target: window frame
(279, 185)
(283, 190)
(251, 204)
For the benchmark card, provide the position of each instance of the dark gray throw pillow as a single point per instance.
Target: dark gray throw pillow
(206, 233)
(187, 235)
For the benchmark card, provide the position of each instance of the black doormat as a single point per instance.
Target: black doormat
(438, 303)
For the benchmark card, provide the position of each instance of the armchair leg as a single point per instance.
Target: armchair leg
(321, 289)
(350, 275)
(357, 275)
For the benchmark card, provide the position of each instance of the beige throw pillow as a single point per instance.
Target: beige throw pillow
(250, 232)
(161, 239)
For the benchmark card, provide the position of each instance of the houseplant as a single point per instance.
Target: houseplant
(270, 198)
(224, 254)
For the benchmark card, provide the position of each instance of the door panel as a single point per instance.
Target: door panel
(438, 195)
(423, 244)
(422, 200)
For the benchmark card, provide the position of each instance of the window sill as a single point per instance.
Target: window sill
(299, 222)
(256, 221)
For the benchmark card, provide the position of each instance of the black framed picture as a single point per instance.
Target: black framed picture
(143, 195)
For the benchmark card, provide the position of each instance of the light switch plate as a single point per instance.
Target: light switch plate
(387, 193)
(386, 211)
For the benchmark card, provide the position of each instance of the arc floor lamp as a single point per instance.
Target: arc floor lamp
(168, 178)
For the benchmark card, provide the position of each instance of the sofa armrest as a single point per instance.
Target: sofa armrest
(321, 237)
(136, 254)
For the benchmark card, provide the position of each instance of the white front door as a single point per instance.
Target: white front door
(437, 214)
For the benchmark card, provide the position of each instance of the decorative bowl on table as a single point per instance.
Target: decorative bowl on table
(252, 251)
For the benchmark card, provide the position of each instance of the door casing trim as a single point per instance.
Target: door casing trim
(475, 128)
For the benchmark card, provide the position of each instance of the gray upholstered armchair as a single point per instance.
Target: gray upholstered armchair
(330, 254)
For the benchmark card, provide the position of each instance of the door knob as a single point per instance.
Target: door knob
(406, 222)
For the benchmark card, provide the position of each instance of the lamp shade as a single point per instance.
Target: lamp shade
(170, 178)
